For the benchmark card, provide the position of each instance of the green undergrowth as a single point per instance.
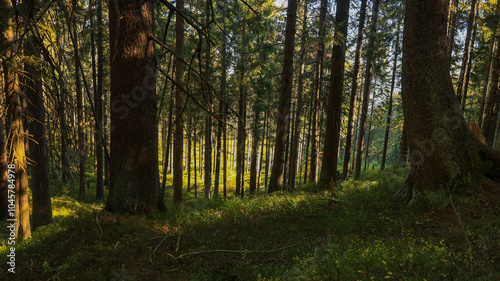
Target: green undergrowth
(358, 231)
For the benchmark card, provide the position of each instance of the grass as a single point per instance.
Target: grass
(360, 233)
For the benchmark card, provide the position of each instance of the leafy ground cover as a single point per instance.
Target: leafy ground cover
(357, 232)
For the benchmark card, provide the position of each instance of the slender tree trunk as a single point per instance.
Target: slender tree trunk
(493, 101)
(99, 129)
(188, 161)
(194, 160)
(467, 49)
(134, 177)
(391, 97)
(354, 89)
(179, 104)
(333, 118)
(268, 149)
(453, 16)
(208, 118)
(307, 147)
(241, 138)
(486, 80)
(255, 151)
(224, 112)
(368, 139)
(167, 147)
(318, 77)
(469, 68)
(444, 155)
(366, 91)
(300, 88)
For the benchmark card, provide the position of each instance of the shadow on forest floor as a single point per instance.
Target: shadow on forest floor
(361, 232)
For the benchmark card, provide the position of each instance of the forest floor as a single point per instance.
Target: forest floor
(358, 233)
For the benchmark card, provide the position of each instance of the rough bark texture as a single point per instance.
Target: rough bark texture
(493, 101)
(366, 90)
(134, 181)
(241, 137)
(276, 180)
(354, 88)
(318, 78)
(179, 104)
(444, 153)
(333, 118)
(38, 147)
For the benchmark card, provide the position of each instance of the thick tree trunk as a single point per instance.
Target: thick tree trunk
(391, 97)
(366, 91)
(333, 118)
(38, 148)
(354, 89)
(444, 154)
(318, 78)
(134, 179)
(276, 181)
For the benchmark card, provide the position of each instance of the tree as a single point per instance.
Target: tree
(354, 88)
(134, 182)
(333, 118)
(179, 104)
(38, 147)
(391, 96)
(17, 135)
(444, 154)
(276, 180)
(366, 90)
(99, 128)
(318, 77)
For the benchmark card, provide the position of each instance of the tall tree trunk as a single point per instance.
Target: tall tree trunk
(444, 154)
(368, 139)
(38, 148)
(391, 97)
(99, 129)
(241, 138)
(403, 148)
(486, 80)
(134, 179)
(17, 135)
(224, 112)
(354, 90)
(366, 90)
(333, 118)
(82, 157)
(167, 146)
(208, 118)
(469, 68)
(179, 104)
(453, 16)
(467, 49)
(318, 77)
(300, 88)
(276, 181)
(255, 151)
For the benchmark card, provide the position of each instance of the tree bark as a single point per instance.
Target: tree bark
(241, 137)
(318, 78)
(134, 179)
(354, 89)
(99, 129)
(444, 154)
(38, 148)
(366, 91)
(179, 104)
(333, 118)
(276, 180)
